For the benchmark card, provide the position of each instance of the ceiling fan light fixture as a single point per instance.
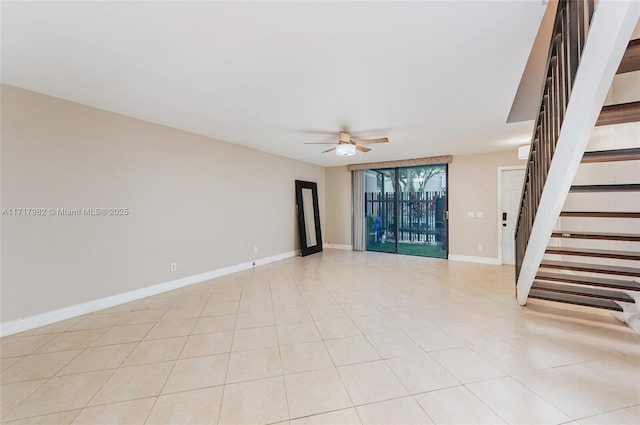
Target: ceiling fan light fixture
(346, 150)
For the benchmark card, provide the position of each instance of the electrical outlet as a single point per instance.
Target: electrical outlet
(479, 214)
(174, 267)
(255, 249)
(480, 248)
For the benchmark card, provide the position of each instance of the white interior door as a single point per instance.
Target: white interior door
(511, 189)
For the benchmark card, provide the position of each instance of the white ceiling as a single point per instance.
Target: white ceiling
(436, 77)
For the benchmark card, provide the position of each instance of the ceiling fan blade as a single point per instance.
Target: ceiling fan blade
(332, 149)
(320, 132)
(381, 140)
(362, 148)
(321, 143)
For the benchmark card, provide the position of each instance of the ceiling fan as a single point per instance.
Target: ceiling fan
(346, 146)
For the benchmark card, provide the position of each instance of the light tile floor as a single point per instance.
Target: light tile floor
(334, 338)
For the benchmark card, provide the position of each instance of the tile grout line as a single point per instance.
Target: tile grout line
(47, 379)
(172, 366)
(335, 367)
(157, 397)
(353, 405)
(121, 363)
(485, 404)
(524, 384)
(25, 399)
(284, 384)
(226, 374)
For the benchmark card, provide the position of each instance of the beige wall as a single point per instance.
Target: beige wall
(201, 203)
(473, 186)
(338, 208)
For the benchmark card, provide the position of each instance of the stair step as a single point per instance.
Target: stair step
(592, 268)
(632, 187)
(619, 114)
(600, 253)
(585, 291)
(628, 285)
(570, 234)
(631, 59)
(575, 299)
(612, 155)
(600, 214)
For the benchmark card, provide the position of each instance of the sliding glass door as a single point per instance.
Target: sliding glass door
(406, 210)
(380, 209)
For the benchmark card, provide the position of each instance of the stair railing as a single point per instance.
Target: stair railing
(570, 30)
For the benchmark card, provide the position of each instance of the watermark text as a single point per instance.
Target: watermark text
(62, 212)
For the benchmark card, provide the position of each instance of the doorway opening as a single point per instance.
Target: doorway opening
(406, 210)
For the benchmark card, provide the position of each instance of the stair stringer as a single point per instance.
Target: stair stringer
(610, 30)
(630, 312)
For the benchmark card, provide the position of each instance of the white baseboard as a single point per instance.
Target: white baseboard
(338, 246)
(473, 259)
(42, 319)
